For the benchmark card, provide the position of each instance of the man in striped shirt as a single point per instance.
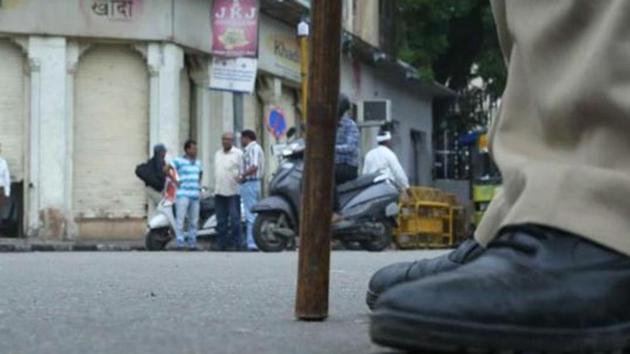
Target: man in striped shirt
(250, 178)
(188, 194)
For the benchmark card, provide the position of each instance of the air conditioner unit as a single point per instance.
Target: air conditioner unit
(375, 112)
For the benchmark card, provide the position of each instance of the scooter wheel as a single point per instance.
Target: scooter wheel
(156, 240)
(351, 245)
(264, 232)
(381, 242)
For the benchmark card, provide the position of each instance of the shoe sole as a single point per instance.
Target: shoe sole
(416, 333)
(370, 299)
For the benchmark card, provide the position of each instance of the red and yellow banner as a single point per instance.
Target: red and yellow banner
(235, 28)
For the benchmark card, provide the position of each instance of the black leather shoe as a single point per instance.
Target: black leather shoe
(533, 290)
(403, 272)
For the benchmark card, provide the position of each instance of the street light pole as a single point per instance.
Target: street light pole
(317, 197)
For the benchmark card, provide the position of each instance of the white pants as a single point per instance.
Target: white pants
(154, 197)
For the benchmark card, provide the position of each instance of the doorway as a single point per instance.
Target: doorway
(419, 156)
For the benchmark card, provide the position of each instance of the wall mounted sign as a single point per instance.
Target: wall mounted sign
(235, 28)
(233, 74)
(279, 50)
(117, 10)
(276, 122)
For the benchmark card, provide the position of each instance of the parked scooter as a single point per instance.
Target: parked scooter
(369, 206)
(162, 224)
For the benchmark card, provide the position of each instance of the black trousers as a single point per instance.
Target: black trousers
(343, 173)
(228, 209)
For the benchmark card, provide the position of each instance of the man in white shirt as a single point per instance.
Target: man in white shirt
(253, 169)
(227, 168)
(382, 159)
(5, 180)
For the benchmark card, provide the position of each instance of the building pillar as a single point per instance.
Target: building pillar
(251, 118)
(73, 52)
(201, 79)
(227, 111)
(165, 64)
(49, 128)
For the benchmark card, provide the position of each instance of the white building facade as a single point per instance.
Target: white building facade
(89, 86)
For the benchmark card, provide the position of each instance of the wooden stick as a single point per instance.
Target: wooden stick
(317, 198)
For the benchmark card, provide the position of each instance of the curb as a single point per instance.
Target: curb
(22, 247)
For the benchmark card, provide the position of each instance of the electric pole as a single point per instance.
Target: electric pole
(317, 196)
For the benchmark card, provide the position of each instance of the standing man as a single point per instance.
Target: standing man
(253, 162)
(188, 194)
(346, 150)
(382, 159)
(5, 181)
(227, 169)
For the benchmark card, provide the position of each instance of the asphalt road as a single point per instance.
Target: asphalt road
(138, 302)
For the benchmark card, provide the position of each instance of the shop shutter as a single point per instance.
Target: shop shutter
(111, 133)
(13, 108)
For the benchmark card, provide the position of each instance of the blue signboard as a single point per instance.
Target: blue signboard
(276, 122)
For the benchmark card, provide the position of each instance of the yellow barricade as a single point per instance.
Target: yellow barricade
(429, 218)
(482, 196)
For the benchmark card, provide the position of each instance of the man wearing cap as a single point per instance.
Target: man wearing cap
(382, 159)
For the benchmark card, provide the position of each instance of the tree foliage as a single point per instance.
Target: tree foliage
(454, 42)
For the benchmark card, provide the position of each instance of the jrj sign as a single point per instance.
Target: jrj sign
(235, 28)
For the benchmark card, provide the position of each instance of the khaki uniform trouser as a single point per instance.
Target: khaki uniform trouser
(562, 137)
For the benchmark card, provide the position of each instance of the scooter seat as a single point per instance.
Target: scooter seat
(207, 204)
(206, 208)
(361, 182)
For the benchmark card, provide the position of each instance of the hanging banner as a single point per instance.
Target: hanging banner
(235, 28)
(233, 74)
